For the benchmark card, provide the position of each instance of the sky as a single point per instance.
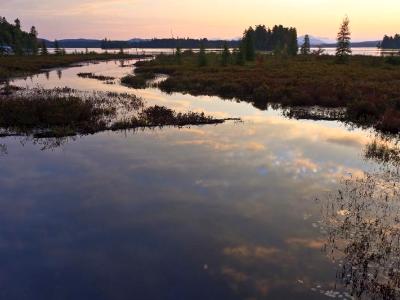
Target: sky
(125, 19)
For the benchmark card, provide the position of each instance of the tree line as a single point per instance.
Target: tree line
(282, 41)
(20, 41)
(171, 43)
(390, 42)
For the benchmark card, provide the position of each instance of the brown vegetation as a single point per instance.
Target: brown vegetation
(67, 112)
(369, 87)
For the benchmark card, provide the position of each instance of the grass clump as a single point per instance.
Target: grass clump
(97, 77)
(137, 81)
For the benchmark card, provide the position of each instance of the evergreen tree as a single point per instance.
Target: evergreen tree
(33, 43)
(225, 55)
(17, 24)
(390, 42)
(343, 49)
(248, 41)
(291, 43)
(306, 47)
(57, 49)
(202, 57)
(43, 49)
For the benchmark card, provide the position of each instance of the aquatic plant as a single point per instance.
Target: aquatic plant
(362, 225)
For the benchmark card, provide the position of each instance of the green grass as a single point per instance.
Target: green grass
(14, 66)
(368, 86)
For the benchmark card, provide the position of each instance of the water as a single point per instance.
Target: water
(374, 51)
(201, 212)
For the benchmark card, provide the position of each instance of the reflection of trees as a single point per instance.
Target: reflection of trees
(362, 222)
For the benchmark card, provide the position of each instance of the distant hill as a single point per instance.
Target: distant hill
(355, 44)
(314, 41)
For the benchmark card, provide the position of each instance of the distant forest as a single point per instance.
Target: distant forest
(391, 42)
(20, 41)
(168, 43)
(278, 38)
(263, 39)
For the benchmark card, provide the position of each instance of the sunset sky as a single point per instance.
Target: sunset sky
(125, 19)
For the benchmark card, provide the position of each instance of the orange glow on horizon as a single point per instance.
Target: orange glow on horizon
(124, 19)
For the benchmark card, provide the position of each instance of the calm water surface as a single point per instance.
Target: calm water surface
(208, 212)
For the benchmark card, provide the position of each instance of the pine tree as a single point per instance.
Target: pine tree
(248, 40)
(292, 45)
(33, 43)
(306, 47)
(343, 50)
(225, 55)
(57, 49)
(202, 58)
(43, 49)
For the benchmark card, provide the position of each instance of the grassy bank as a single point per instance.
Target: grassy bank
(14, 66)
(369, 87)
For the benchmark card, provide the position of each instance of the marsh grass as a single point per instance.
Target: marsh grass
(97, 77)
(139, 80)
(368, 87)
(65, 112)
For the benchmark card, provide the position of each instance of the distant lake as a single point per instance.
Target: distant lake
(233, 211)
(331, 51)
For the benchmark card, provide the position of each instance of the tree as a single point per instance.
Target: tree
(343, 49)
(57, 49)
(225, 55)
(291, 43)
(33, 43)
(202, 57)
(43, 49)
(17, 23)
(306, 47)
(20, 41)
(248, 42)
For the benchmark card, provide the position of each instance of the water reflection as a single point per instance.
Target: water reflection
(210, 212)
(362, 224)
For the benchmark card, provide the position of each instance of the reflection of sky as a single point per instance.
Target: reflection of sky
(209, 212)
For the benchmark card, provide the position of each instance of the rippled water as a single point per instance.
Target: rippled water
(208, 212)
